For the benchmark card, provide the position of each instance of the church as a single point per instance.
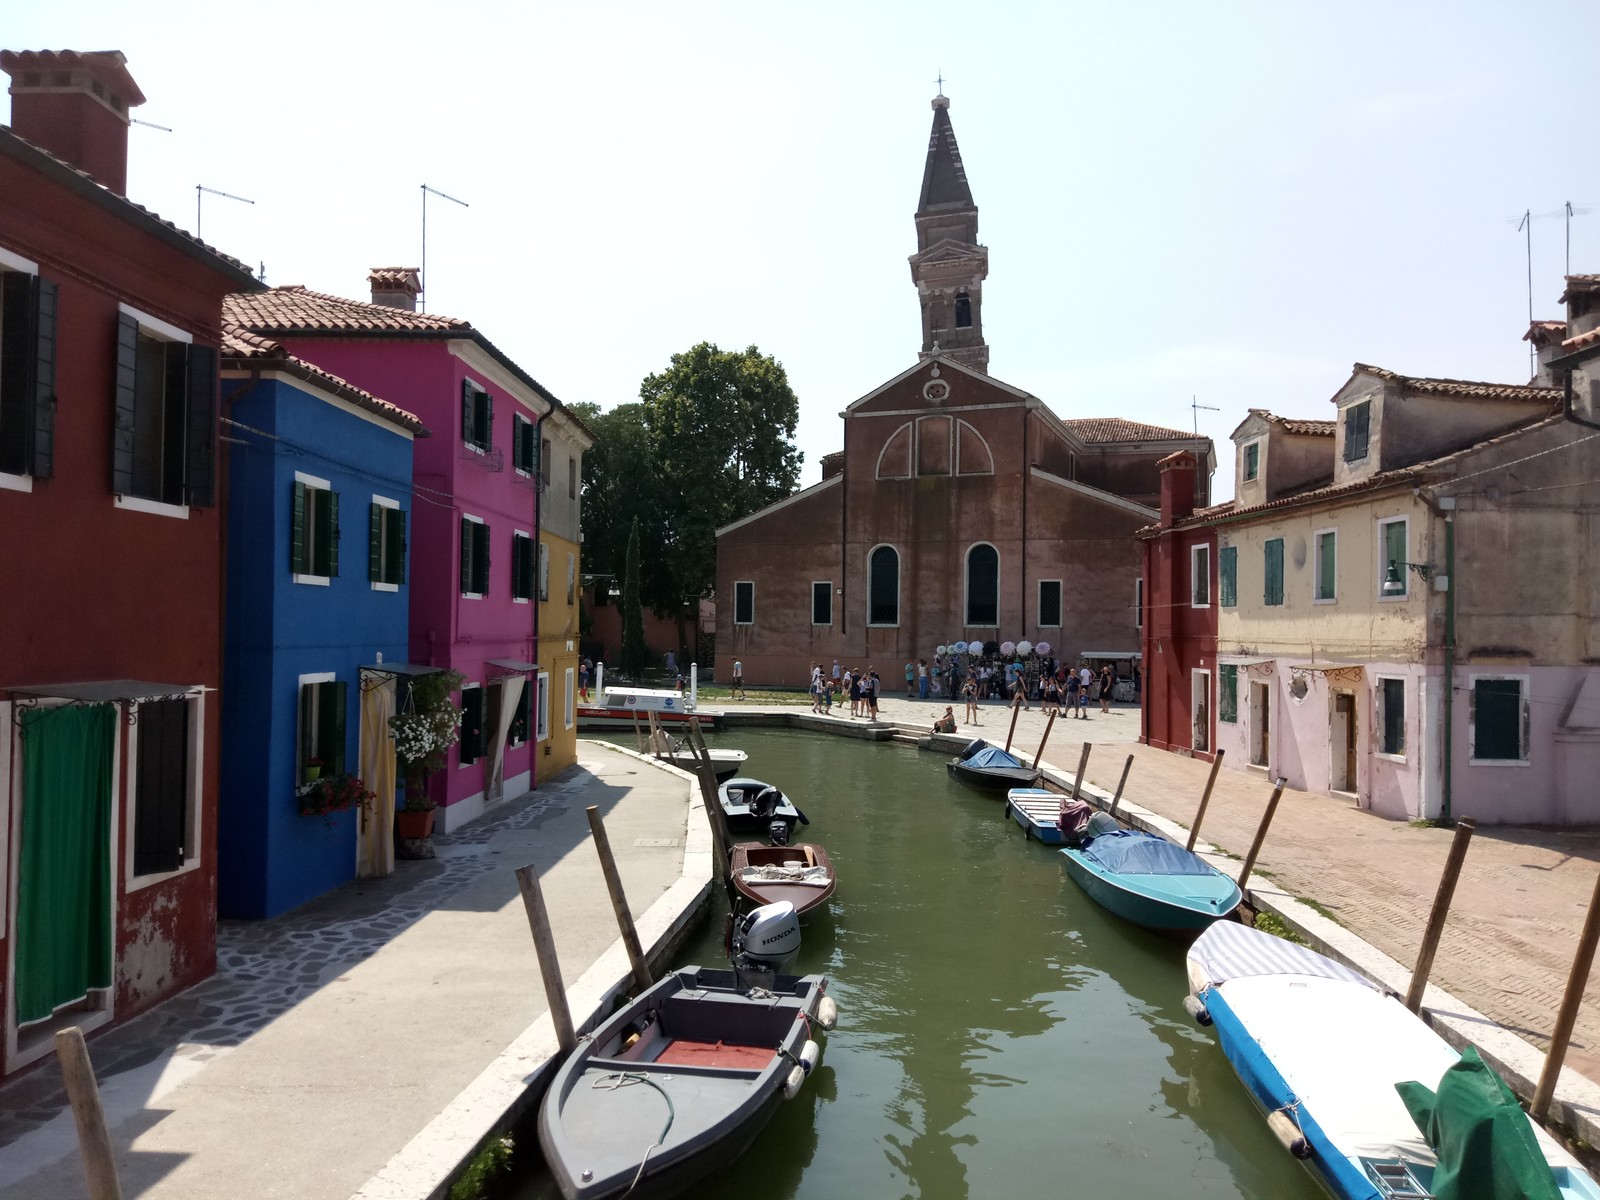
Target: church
(961, 508)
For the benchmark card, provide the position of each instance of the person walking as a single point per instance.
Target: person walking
(1108, 680)
(736, 691)
(922, 679)
(836, 675)
(1072, 695)
(1085, 684)
(583, 679)
(911, 678)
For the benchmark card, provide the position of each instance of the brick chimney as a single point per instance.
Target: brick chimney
(1178, 472)
(396, 287)
(1546, 337)
(75, 105)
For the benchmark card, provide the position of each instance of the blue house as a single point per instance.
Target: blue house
(319, 493)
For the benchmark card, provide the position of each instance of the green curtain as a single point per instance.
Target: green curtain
(64, 880)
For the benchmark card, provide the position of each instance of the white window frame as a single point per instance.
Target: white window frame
(1061, 604)
(162, 331)
(1316, 566)
(1524, 714)
(312, 483)
(22, 266)
(1405, 571)
(1244, 461)
(751, 584)
(966, 584)
(1197, 552)
(541, 715)
(569, 705)
(815, 584)
(394, 505)
(898, 582)
(193, 839)
(1380, 714)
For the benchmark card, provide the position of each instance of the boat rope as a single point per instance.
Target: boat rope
(621, 1079)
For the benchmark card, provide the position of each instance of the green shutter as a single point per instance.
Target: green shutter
(44, 383)
(466, 556)
(1228, 693)
(329, 743)
(340, 700)
(1272, 558)
(1326, 553)
(375, 543)
(126, 402)
(1228, 576)
(297, 532)
(332, 525)
(308, 731)
(395, 531)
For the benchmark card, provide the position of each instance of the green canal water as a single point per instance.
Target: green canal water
(999, 1035)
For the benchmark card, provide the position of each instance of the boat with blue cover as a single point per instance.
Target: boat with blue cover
(1360, 1089)
(1144, 878)
(991, 769)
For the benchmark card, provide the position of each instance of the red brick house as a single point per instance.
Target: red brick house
(110, 622)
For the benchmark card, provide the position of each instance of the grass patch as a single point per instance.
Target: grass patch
(1273, 924)
(486, 1174)
(721, 695)
(1322, 910)
(1429, 823)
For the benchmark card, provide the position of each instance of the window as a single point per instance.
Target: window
(1200, 576)
(1272, 569)
(471, 724)
(963, 311)
(1499, 719)
(27, 370)
(883, 586)
(1050, 603)
(1394, 578)
(163, 793)
(477, 416)
(522, 559)
(386, 544)
(544, 461)
(983, 585)
(1324, 586)
(572, 478)
(322, 708)
(524, 445)
(542, 712)
(1228, 693)
(744, 602)
(1252, 461)
(517, 734)
(1357, 419)
(1228, 576)
(163, 445)
(569, 705)
(1392, 716)
(314, 530)
(1138, 603)
(822, 602)
(474, 558)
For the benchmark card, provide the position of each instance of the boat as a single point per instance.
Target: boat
(990, 769)
(625, 708)
(1040, 811)
(801, 875)
(750, 810)
(1144, 878)
(1343, 1071)
(725, 762)
(682, 1079)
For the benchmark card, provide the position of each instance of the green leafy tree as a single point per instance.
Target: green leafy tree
(620, 488)
(633, 647)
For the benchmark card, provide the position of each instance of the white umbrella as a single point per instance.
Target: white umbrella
(940, 650)
(1007, 647)
(974, 647)
(1024, 647)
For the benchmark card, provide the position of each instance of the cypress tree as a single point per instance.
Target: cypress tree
(633, 647)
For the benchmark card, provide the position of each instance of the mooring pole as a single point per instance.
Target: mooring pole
(707, 777)
(1441, 910)
(544, 943)
(1083, 763)
(1048, 725)
(1205, 799)
(1126, 767)
(94, 1140)
(619, 902)
(1261, 833)
(1570, 1003)
(1016, 711)
(638, 732)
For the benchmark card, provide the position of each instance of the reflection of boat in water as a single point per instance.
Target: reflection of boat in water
(1150, 881)
(991, 769)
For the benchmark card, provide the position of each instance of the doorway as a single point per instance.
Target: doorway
(1260, 723)
(1342, 738)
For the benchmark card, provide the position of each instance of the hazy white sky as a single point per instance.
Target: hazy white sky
(1227, 201)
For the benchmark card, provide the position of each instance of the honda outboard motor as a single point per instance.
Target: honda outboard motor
(762, 805)
(973, 747)
(764, 944)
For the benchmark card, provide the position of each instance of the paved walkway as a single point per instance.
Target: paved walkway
(330, 1037)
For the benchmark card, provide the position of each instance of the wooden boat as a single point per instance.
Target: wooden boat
(1321, 1050)
(802, 875)
(1038, 812)
(990, 769)
(736, 796)
(1150, 881)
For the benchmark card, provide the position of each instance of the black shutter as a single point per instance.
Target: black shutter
(480, 562)
(297, 532)
(127, 402)
(397, 547)
(375, 543)
(44, 383)
(486, 429)
(162, 802)
(466, 556)
(332, 523)
(330, 727)
(468, 412)
(18, 296)
(175, 425)
(199, 468)
(471, 724)
(308, 730)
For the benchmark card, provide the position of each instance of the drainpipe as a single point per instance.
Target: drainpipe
(1444, 509)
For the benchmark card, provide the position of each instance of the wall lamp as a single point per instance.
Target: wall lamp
(1394, 583)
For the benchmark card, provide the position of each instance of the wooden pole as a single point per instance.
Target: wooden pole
(1126, 767)
(1261, 833)
(1441, 909)
(1048, 726)
(544, 943)
(94, 1139)
(637, 732)
(708, 796)
(619, 902)
(1205, 799)
(1016, 711)
(1570, 1004)
(1083, 762)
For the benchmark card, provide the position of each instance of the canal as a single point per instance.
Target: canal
(999, 1035)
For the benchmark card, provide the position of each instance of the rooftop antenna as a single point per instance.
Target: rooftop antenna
(149, 124)
(422, 272)
(201, 190)
(1525, 227)
(1194, 403)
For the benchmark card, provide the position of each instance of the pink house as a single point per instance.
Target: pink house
(475, 530)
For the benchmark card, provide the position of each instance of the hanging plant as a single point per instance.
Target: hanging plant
(425, 730)
(329, 794)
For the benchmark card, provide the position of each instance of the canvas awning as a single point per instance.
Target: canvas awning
(513, 666)
(402, 670)
(104, 691)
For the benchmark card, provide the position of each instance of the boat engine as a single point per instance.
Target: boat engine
(762, 807)
(972, 748)
(764, 944)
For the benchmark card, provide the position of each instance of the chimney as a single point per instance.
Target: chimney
(1178, 473)
(396, 287)
(833, 464)
(75, 105)
(1546, 337)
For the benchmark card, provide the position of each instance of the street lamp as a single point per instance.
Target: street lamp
(1394, 583)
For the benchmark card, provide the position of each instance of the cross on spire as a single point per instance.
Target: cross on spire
(940, 82)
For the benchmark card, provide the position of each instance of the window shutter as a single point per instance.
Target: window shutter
(308, 731)
(466, 556)
(297, 532)
(395, 536)
(332, 525)
(468, 412)
(471, 724)
(486, 430)
(162, 797)
(199, 472)
(17, 307)
(375, 543)
(481, 561)
(339, 691)
(175, 438)
(44, 383)
(126, 400)
(329, 741)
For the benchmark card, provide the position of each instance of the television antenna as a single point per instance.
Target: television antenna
(149, 124)
(1196, 406)
(422, 272)
(201, 190)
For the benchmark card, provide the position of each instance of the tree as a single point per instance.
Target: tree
(634, 652)
(620, 489)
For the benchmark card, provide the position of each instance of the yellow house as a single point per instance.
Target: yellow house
(563, 439)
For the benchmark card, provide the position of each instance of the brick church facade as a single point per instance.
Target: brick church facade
(961, 507)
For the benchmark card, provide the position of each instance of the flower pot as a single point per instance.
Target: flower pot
(413, 825)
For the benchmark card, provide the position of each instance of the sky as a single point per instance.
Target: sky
(1222, 205)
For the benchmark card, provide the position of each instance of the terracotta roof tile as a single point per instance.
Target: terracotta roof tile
(1580, 285)
(242, 346)
(1582, 340)
(297, 309)
(1096, 430)
(1464, 388)
(109, 67)
(1542, 333)
(396, 276)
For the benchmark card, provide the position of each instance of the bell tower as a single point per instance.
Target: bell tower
(949, 266)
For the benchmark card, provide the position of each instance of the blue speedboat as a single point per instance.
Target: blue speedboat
(1150, 881)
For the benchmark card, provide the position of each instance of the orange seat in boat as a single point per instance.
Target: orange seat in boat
(682, 1052)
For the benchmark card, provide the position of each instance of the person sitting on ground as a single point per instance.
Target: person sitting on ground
(946, 723)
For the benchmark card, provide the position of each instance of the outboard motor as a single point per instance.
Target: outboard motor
(764, 944)
(762, 807)
(973, 747)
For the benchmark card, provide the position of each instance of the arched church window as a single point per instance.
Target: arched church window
(883, 586)
(983, 585)
(963, 311)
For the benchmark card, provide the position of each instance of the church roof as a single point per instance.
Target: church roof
(1099, 430)
(944, 179)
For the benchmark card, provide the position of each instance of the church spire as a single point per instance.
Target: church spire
(949, 266)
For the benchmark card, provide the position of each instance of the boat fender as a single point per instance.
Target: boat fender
(1287, 1132)
(827, 1012)
(1196, 1008)
(810, 1056)
(793, 1084)
(972, 748)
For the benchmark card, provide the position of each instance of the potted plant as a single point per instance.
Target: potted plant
(415, 819)
(325, 795)
(423, 733)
